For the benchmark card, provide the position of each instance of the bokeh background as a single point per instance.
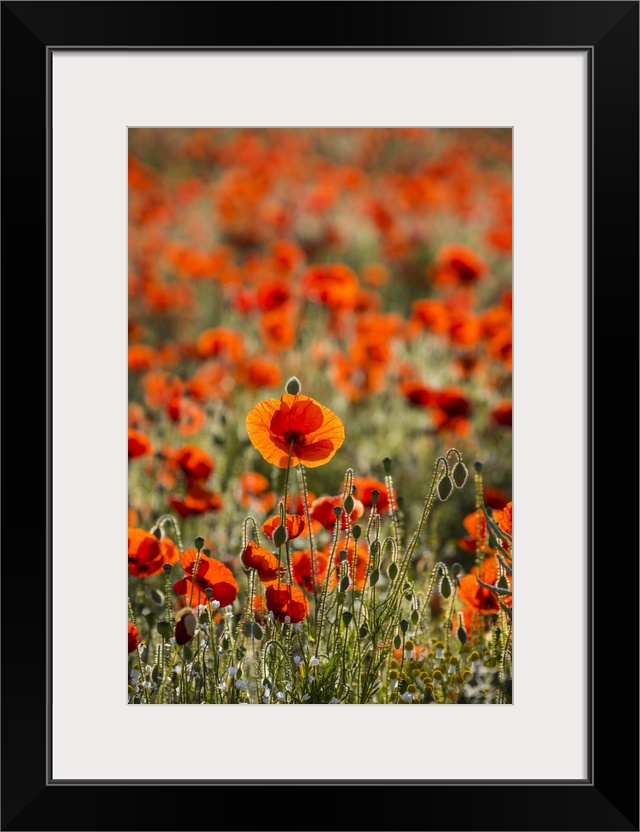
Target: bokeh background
(373, 264)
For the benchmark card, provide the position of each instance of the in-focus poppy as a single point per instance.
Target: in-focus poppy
(296, 424)
(285, 601)
(144, 553)
(304, 570)
(477, 597)
(211, 574)
(263, 561)
(322, 510)
(295, 525)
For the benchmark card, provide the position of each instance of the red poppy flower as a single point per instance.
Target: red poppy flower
(311, 431)
(364, 487)
(302, 571)
(284, 600)
(272, 294)
(196, 463)
(334, 285)
(476, 528)
(197, 500)
(294, 522)
(188, 415)
(139, 444)
(504, 518)
(477, 597)
(322, 510)
(256, 491)
(260, 372)
(356, 581)
(263, 561)
(141, 357)
(278, 327)
(144, 553)
(417, 393)
(133, 637)
(459, 264)
(221, 341)
(502, 413)
(211, 574)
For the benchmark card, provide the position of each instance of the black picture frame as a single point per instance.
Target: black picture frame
(608, 798)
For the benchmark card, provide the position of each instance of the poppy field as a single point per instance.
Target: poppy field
(319, 419)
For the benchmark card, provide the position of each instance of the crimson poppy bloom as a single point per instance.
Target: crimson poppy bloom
(263, 561)
(285, 601)
(211, 574)
(477, 597)
(304, 570)
(139, 444)
(197, 500)
(295, 525)
(296, 424)
(502, 413)
(357, 578)
(321, 509)
(133, 637)
(196, 463)
(364, 487)
(144, 553)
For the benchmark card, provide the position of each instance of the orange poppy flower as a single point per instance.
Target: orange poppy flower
(334, 285)
(434, 315)
(198, 500)
(133, 637)
(362, 561)
(144, 553)
(169, 551)
(476, 528)
(189, 416)
(477, 597)
(139, 444)
(273, 293)
(458, 264)
(294, 522)
(364, 487)
(502, 413)
(211, 574)
(302, 571)
(263, 561)
(285, 601)
(505, 518)
(321, 509)
(312, 431)
(278, 328)
(221, 341)
(417, 393)
(260, 372)
(196, 463)
(356, 381)
(141, 357)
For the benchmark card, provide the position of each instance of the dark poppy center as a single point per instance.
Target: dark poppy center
(296, 437)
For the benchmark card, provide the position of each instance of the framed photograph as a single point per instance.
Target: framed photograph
(297, 255)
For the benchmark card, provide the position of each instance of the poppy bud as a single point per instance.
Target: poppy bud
(375, 548)
(198, 543)
(185, 625)
(337, 510)
(357, 531)
(373, 578)
(374, 496)
(397, 642)
(363, 631)
(209, 593)
(460, 474)
(157, 532)
(462, 635)
(280, 536)
(478, 466)
(445, 487)
(256, 631)
(293, 386)
(167, 568)
(415, 617)
(393, 571)
(344, 584)
(445, 587)
(349, 504)
(503, 583)
(404, 625)
(387, 464)
(346, 618)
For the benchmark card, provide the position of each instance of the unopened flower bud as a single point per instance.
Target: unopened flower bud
(293, 386)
